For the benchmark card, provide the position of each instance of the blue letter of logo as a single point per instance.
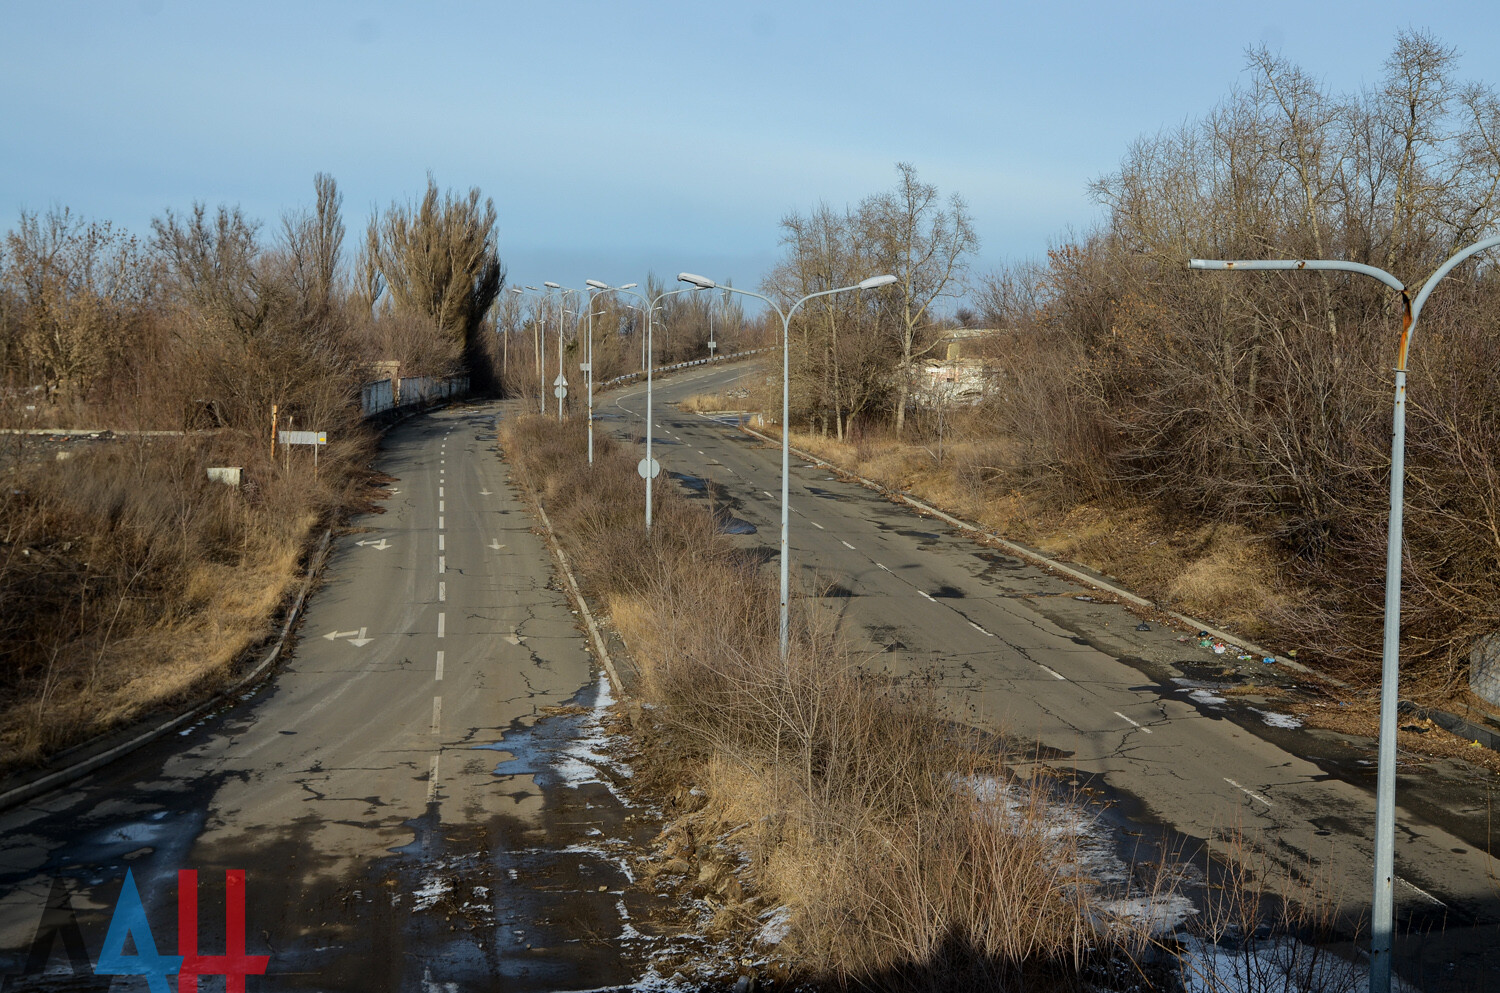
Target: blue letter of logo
(130, 919)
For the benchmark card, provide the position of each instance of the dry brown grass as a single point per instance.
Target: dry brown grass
(901, 848)
(132, 582)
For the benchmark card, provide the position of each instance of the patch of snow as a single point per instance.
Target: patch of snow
(778, 924)
(1276, 720)
(1206, 697)
(433, 889)
(1274, 964)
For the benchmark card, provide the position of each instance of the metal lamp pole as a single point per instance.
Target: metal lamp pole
(704, 283)
(601, 289)
(1382, 910)
(648, 467)
(560, 388)
(541, 350)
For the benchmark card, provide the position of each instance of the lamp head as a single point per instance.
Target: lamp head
(551, 285)
(630, 286)
(596, 284)
(876, 281)
(698, 282)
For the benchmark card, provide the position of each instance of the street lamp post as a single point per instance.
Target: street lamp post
(649, 467)
(600, 289)
(1382, 909)
(560, 387)
(541, 350)
(704, 283)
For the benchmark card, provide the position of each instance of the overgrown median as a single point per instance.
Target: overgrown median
(878, 842)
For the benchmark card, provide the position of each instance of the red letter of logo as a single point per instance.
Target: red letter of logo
(234, 965)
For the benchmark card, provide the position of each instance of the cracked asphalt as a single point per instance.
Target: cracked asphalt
(393, 792)
(1193, 749)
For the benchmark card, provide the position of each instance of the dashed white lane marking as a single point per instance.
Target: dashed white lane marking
(432, 781)
(817, 525)
(441, 539)
(437, 713)
(439, 676)
(442, 623)
(1250, 793)
(440, 491)
(700, 452)
(846, 544)
(442, 461)
(440, 523)
(1054, 672)
(442, 592)
(981, 630)
(1132, 723)
(442, 563)
(924, 593)
(769, 494)
(1421, 891)
(882, 565)
(440, 506)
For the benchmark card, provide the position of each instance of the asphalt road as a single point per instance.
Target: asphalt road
(1142, 713)
(407, 814)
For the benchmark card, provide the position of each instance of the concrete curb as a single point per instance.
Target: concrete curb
(80, 765)
(577, 597)
(1031, 555)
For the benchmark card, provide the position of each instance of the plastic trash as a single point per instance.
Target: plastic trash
(1220, 648)
(1268, 660)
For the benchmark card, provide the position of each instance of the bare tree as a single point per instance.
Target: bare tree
(926, 245)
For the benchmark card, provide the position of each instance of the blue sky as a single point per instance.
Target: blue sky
(620, 137)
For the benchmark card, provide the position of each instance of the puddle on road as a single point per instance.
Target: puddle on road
(720, 500)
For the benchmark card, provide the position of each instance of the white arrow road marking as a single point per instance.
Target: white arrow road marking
(495, 544)
(485, 493)
(439, 675)
(1250, 793)
(382, 544)
(1134, 724)
(432, 781)
(361, 641)
(442, 592)
(394, 492)
(336, 635)
(442, 618)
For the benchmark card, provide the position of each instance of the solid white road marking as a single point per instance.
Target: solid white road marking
(432, 781)
(817, 525)
(1132, 723)
(442, 592)
(846, 544)
(442, 563)
(437, 713)
(1423, 892)
(439, 675)
(442, 621)
(981, 630)
(441, 539)
(1250, 793)
(1054, 672)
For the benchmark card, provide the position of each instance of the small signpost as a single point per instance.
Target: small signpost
(313, 438)
(648, 469)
